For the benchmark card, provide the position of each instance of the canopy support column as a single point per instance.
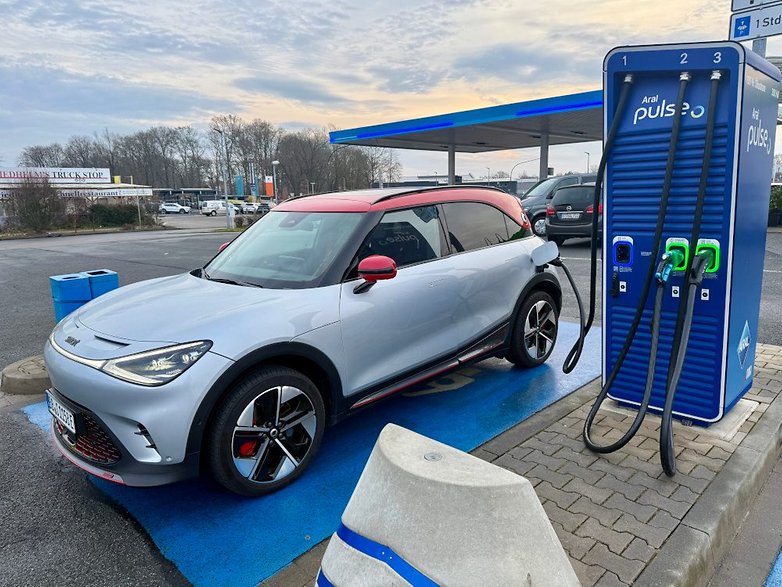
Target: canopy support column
(451, 164)
(544, 139)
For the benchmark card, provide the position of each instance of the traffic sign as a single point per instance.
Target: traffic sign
(739, 5)
(754, 24)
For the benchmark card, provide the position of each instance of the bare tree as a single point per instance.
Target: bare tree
(42, 156)
(382, 165)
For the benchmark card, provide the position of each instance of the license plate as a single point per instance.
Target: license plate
(64, 415)
(570, 215)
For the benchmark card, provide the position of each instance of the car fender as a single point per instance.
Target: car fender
(543, 280)
(285, 352)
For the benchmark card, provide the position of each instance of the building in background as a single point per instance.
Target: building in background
(92, 185)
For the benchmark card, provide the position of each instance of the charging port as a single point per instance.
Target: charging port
(714, 262)
(622, 253)
(684, 254)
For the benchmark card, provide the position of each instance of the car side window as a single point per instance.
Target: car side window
(472, 225)
(407, 236)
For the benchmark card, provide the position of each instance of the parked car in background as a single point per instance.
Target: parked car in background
(215, 207)
(260, 207)
(535, 200)
(569, 213)
(326, 294)
(173, 208)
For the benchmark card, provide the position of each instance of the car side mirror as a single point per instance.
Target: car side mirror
(545, 253)
(373, 269)
(221, 247)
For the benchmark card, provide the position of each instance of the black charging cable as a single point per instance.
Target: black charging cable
(575, 353)
(695, 269)
(684, 79)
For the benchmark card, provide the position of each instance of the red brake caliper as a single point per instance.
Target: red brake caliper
(247, 449)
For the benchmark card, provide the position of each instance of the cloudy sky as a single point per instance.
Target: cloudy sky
(75, 67)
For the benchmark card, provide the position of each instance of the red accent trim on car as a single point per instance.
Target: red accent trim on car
(324, 203)
(377, 267)
(95, 471)
(367, 200)
(373, 398)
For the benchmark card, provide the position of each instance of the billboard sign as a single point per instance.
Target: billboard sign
(55, 175)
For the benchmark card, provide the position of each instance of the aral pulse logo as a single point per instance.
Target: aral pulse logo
(651, 107)
(743, 348)
(757, 134)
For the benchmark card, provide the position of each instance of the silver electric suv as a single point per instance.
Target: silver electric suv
(336, 301)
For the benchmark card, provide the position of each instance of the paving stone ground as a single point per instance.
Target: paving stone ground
(613, 513)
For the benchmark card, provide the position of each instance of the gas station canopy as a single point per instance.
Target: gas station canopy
(573, 118)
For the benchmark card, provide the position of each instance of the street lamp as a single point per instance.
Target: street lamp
(587, 154)
(275, 163)
(225, 175)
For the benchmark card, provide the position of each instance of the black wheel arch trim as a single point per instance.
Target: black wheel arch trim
(285, 352)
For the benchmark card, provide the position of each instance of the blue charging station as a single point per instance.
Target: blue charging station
(720, 355)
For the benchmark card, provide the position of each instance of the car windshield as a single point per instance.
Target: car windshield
(285, 249)
(541, 188)
(583, 194)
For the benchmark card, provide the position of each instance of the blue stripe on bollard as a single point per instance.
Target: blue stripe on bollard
(384, 554)
(323, 580)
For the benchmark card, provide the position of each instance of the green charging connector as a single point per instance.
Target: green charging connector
(714, 264)
(683, 256)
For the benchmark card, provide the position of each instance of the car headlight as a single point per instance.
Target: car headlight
(158, 366)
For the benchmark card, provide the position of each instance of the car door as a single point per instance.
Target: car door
(408, 321)
(491, 258)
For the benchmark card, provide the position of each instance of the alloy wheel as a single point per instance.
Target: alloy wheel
(540, 327)
(273, 434)
(539, 226)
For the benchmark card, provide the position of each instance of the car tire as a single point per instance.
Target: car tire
(183, 211)
(539, 225)
(248, 456)
(535, 331)
(213, 213)
(164, 211)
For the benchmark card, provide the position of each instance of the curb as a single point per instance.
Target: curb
(25, 377)
(696, 547)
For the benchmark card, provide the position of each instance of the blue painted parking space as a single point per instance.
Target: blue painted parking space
(775, 576)
(216, 538)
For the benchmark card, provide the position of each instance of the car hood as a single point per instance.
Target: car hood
(185, 308)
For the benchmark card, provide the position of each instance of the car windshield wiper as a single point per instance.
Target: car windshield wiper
(205, 275)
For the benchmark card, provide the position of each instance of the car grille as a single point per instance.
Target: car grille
(94, 445)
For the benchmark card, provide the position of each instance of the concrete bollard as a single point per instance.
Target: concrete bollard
(424, 513)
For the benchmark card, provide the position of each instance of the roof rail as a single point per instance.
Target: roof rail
(433, 188)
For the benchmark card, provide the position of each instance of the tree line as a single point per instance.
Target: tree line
(184, 156)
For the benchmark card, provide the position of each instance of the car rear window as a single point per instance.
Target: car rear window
(575, 195)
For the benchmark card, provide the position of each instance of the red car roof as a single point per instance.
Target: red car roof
(394, 198)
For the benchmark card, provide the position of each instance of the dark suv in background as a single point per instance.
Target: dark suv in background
(535, 200)
(569, 213)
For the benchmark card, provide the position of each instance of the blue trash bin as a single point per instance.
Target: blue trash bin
(102, 281)
(69, 292)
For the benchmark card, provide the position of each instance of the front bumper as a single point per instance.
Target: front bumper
(148, 427)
